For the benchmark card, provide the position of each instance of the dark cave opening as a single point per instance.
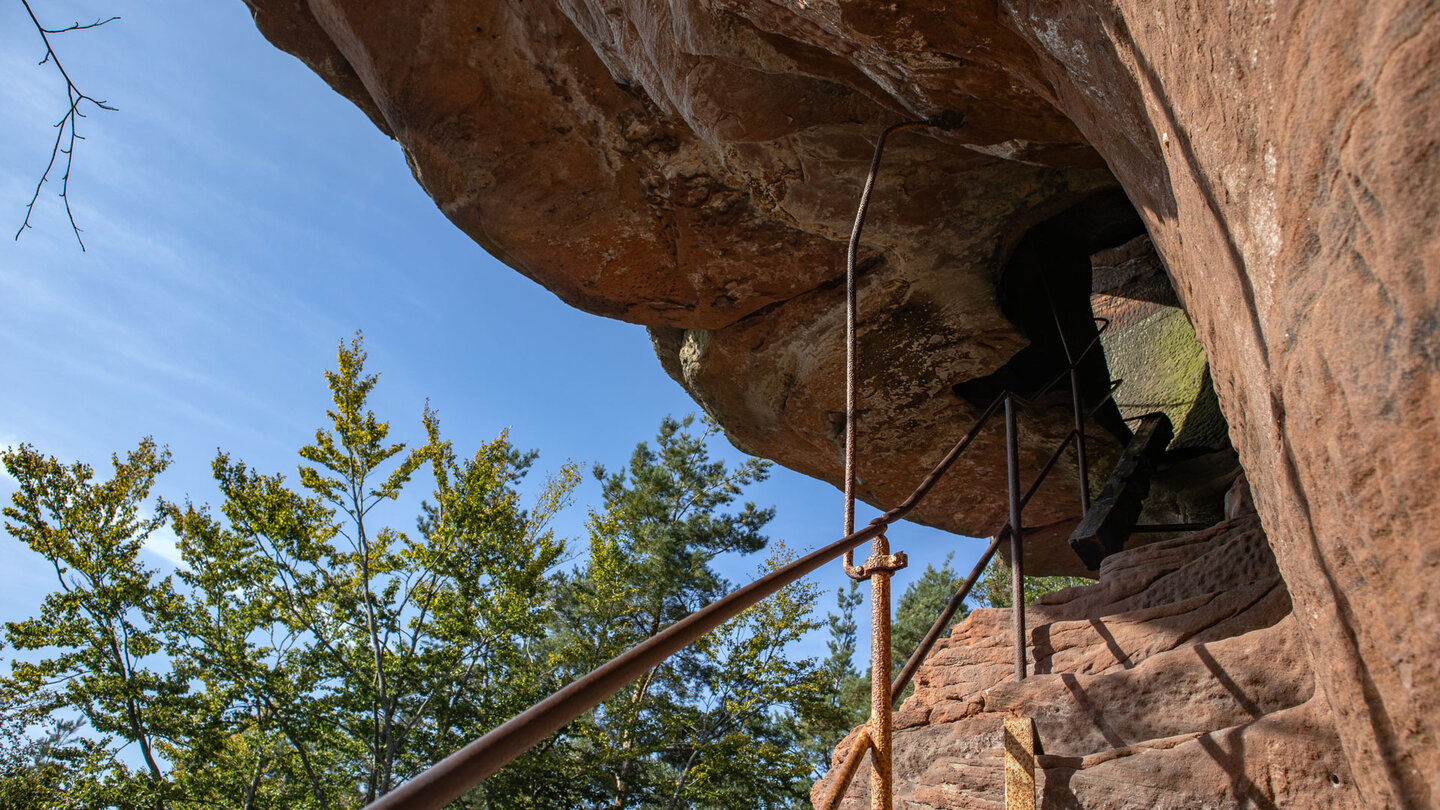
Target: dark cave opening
(1044, 289)
(1096, 258)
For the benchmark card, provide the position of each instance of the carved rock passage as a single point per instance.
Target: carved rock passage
(1286, 163)
(1179, 681)
(692, 165)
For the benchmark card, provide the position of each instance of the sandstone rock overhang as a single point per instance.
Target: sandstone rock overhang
(692, 165)
(695, 169)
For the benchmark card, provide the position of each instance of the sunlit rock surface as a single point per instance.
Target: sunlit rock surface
(692, 165)
(1179, 681)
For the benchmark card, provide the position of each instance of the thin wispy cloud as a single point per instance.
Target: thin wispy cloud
(164, 544)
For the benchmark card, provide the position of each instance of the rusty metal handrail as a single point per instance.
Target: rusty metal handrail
(849, 765)
(448, 779)
(845, 771)
(852, 251)
(922, 649)
(876, 735)
(881, 564)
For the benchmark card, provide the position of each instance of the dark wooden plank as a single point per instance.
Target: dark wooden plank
(1113, 515)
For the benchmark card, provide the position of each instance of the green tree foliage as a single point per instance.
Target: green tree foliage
(103, 630)
(371, 651)
(305, 654)
(714, 726)
(845, 701)
(308, 652)
(993, 589)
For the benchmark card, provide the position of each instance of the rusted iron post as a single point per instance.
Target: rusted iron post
(852, 253)
(881, 787)
(1081, 462)
(882, 564)
(880, 567)
(1017, 547)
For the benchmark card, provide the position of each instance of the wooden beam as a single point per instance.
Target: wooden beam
(1105, 528)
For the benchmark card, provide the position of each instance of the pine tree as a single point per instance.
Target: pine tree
(712, 727)
(919, 606)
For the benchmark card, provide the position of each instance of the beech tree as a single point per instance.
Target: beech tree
(372, 651)
(104, 630)
(845, 701)
(305, 653)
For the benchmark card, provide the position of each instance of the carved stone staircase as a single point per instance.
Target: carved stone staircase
(1177, 681)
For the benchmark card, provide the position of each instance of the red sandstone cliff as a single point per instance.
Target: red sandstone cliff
(691, 165)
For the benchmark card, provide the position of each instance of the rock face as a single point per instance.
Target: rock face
(1151, 347)
(692, 165)
(1179, 681)
(695, 168)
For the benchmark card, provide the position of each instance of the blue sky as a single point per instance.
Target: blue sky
(240, 219)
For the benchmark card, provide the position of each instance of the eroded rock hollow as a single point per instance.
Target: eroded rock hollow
(692, 165)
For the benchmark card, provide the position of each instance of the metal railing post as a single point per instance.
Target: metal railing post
(448, 779)
(1081, 462)
(882, 566)
(1017, 548)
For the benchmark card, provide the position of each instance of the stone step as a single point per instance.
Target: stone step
(1176, 681)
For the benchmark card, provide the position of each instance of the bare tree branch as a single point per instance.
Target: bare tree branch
(76, 26)
(65, 134)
